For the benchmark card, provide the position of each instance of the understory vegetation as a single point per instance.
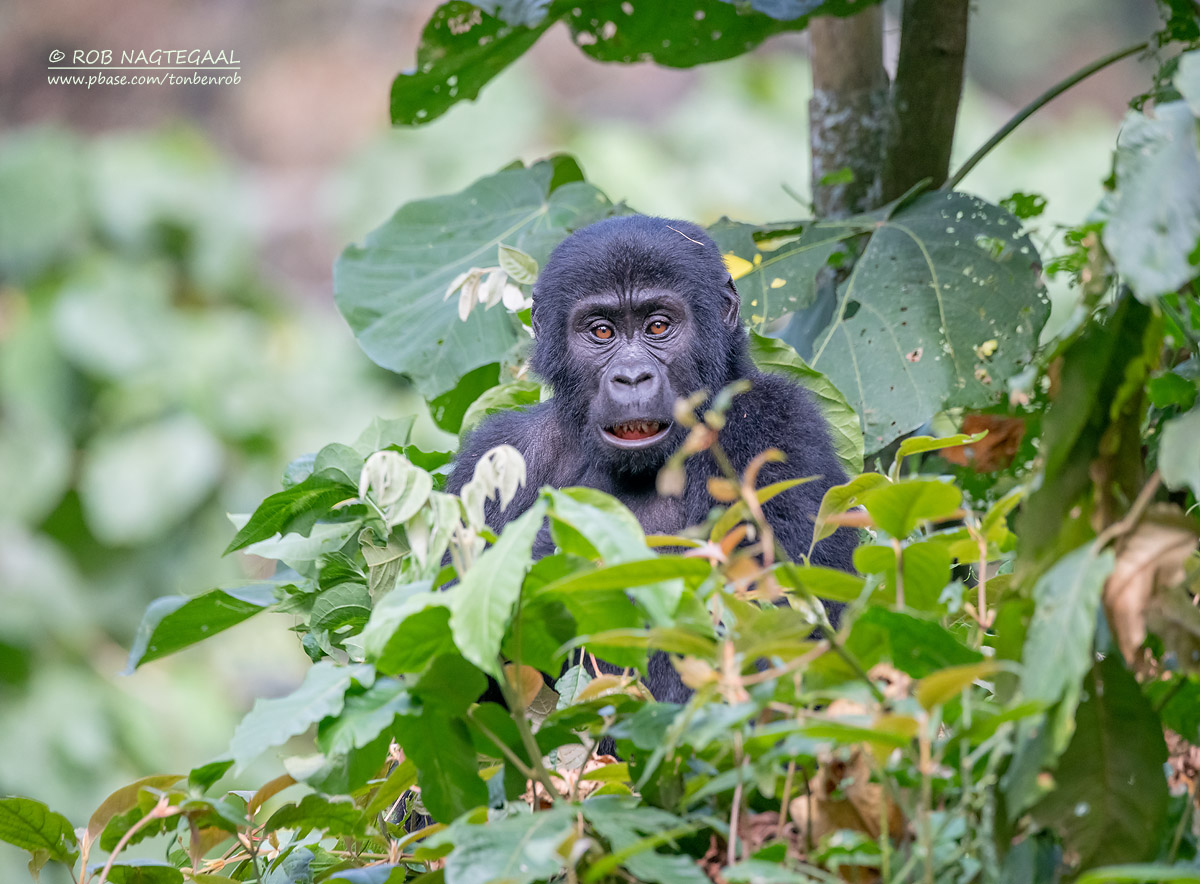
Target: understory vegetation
(1013, 690)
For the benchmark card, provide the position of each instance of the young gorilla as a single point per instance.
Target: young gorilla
(630, 314)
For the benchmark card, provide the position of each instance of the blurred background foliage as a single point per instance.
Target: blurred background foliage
(167, 334)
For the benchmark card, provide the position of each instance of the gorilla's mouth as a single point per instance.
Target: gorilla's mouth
(636, 434)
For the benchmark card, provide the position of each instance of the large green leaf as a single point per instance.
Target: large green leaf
(465, 45)
(776, 281)
(774, 355)
(1110, 796)
(1058, 645)
(174, 622)
(441, 748)
(392, 288)
(518, 850)
(33, 826)
(943, 307)
(462, 48)
(1153, 217)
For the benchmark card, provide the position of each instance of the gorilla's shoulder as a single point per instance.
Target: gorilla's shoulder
(778, 413)
(532, 431)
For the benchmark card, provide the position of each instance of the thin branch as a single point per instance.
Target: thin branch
(1045, 98)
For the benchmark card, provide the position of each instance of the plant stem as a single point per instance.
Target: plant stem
(159, 811)
(517, 712)
(1045, 98)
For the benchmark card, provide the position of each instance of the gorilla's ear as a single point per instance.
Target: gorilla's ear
(733, 304)
(533, 312)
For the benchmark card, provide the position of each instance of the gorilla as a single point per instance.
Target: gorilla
(629, 315)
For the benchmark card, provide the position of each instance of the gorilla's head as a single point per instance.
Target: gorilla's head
(630, 314)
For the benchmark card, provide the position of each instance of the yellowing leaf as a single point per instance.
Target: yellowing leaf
(737, 267)
(938, 687)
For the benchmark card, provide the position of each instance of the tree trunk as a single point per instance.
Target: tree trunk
(925, 96)
(848, 113)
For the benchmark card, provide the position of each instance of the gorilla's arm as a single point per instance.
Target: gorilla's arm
(776, 413)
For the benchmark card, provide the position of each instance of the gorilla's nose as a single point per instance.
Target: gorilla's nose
(632, 382)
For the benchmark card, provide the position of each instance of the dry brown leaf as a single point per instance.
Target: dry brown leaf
(527, 682)
(859, 804)
(993, 452)
(1144, 585)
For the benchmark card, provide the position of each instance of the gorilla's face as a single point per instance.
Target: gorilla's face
(630, 353)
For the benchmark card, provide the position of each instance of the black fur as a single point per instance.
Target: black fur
(632, 260)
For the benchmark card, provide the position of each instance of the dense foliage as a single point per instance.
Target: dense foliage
(1017, 662)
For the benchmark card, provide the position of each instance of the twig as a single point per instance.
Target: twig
(160, 810)
(1028, 110)
(1127, 522)
(788, 782)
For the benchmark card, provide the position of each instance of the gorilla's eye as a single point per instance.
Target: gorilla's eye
(657, 327)
(602, 332)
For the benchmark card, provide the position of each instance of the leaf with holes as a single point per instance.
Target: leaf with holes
(391, 289)
(948, 303)
(780, 280)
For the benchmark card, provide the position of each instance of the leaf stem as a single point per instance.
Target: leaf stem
(1028, 110)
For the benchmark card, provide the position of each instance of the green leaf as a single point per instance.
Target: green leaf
(277, 513)
(391, 290)
(175, 622)
(1138, 873)
(825, 583)
(461, 49)
(204, 777)
(921, 444)
(915, 646)
(274, 722)
(899, 507)
(407, 639)
(441, 748)
(1153, 217)
(939, 687)
(382, 433)
(519, 266)
(774, 355)
(947, 299)
(483, 603)
(610, 532)
(627, 575)
(364, 717)
(839, 498)
(141, 871)
(126, 799)
(782, 280)
(1179, 452)
(449, 684)
(347, 604)
(633, 831)
(505, 397)
(701, 31)
(1058, 644)
(1110, 799)
(317, 812)
(926, 569)
(33, 826)
(448, 409)
(518, 850)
